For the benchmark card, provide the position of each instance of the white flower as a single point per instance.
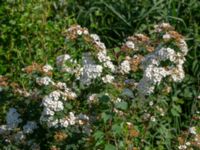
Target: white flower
(109, 65)
(71, 118)
(90, 72)
(130, 44)
(192, 130)
(12, 119)
(106, 60)
(48, 111)
(153, 119)
(166, 37)
(188, 143)
(44, 81)
(47, 68)
(183, 46)
(55, 95)
(82, 118)
(100, 45)
(64, 122)
(108, 79)
(61, 85)
(85, 32)
(29, 127)
(102, 56)
(92, 98)
(125, 67)
(182, 147)
(151, 103)
(95, 37)
(62, 58)
(52, 105)
(118, 100)
(3, 129)
(53, 123)
(166, 53)
(79, 32)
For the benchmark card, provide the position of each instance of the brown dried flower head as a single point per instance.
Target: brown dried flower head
(33, 67)
(3, 81)
(60, 136)
(175, 35)
(135, 62)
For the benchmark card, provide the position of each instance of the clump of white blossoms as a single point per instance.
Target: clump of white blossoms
(44, 80)
(92, 99)
(68, 120)
(106, 60)
(90, 70)
(192, 130)
(86, 76)
(154, 71)
(52, 103)
(108, 79)
(130, 44)
(125, 67)
(47, 68)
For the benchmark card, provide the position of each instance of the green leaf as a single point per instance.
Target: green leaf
(104, 98)
(176, 110)
(109, 147)
(117, 49)
(122, 105)
(116, 128)
(105, 117)
(98, 135)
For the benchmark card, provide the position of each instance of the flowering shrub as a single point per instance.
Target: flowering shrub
(93, 98)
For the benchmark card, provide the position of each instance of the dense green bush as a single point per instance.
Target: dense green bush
(33, 33)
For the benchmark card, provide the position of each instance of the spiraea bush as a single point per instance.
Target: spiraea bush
(62, 88)
(92, 98)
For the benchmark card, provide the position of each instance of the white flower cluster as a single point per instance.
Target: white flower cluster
(47, 68)
(93, 98)
(44, 80)
(130, 44)
(97, 41)
(192, 130)
(77, 30)
(75, 68)
(102, 54)
(124, 67)
(71, 119)
(108, 79)
(62, 58)
(103, 58)
(90, 70)
(68, 120)
(162, 26)
(54, 102)
(154, 72)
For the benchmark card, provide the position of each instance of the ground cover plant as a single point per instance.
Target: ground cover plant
(127, 81)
